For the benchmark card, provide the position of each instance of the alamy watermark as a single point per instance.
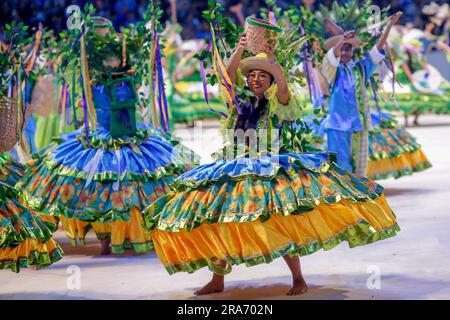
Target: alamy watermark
(74, 17)
(374, 280)
(73, 282)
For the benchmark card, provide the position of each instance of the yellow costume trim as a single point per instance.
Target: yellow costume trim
(406, 161)
(121, 233)
(256, 241)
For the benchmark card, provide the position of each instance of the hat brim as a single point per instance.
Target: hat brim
(331, 42)
(256, 63)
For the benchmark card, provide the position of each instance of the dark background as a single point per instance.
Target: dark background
(122, 12)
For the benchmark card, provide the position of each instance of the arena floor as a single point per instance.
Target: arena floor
(413, 265)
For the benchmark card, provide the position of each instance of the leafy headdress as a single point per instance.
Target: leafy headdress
(328, 24)
(135, 52)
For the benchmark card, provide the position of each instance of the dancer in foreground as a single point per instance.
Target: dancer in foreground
(256, 205)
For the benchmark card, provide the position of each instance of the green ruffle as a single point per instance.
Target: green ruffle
(10, 170)
(40, 260)
(301, 206)
(56, 209)
(185, 184)
(389, 155)
(358, 234)
(409, 102)
(10, 237)
(401, 149)
(403, 142)
(20, 224)
(117, 249)
(401, 173)
(116, 143)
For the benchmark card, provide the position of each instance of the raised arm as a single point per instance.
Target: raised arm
(278, 74)
(392, 21)
(331, 61)
(236, 57)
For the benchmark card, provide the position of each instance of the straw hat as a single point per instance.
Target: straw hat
(338, 35)
(258, 62)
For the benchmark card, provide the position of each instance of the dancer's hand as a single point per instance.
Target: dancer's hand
(236, 57)
(394, 19)
(269, 52)
(242, 44)
(349, 35)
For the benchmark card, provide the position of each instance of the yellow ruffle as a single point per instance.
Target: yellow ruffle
(121, 233)
(247, 241)
(47, 218)
(26, 249)
(406, 161)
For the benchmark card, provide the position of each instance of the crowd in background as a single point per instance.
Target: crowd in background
(52, 13)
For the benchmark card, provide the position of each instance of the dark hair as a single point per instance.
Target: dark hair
(272, 79)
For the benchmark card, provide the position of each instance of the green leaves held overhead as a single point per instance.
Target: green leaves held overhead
(12, 52)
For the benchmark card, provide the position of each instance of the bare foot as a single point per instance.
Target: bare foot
(105, 251)
(106, 248)
(210, 287)
(299, 287)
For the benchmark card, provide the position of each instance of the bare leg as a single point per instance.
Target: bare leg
(299, 285)
(416, 117)
(406, 120)
(106, 249)
(215, 285)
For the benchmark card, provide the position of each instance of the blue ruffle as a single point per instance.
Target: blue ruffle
(154, 153)
(377, 117)
(265, 166)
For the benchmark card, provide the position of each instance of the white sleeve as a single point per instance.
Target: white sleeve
(375, 55)
(332, 59)
(329, 66)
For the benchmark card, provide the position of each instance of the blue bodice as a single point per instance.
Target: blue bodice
(102, 96)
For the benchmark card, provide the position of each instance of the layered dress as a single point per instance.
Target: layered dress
(25, 238)
(409, 99)
(251, 208)
(393, 151)
(103, 180)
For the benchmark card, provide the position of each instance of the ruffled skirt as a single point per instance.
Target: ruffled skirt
(253, 210)
(10, 171)
(104, 183)
(25, 238)
(421, 102)
(393, 151)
